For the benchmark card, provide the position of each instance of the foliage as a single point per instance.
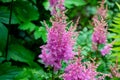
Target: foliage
(3, 36)
(8, 72)
(20, 41)
(115, 28)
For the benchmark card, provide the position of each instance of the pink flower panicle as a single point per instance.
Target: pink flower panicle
(115, 69)
(106, 49)
(99, 34)
(79, 71)
(56, 4)
(100, 31)
(82, 71)
(60, 42)
(101, 10)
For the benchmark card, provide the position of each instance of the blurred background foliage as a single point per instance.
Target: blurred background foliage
(20, 40)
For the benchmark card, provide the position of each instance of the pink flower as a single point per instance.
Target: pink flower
(59, 45)
(99, 34)
(82, 71)
(106, 49)
(101, 10)
(56, 4)
(100, 31)
(53, 2)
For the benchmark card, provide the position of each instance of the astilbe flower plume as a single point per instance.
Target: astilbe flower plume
(56, 4)
(100, 31)
(99, 35)
(78, 70)
(60, 42)
(115, 70)
(106, 49)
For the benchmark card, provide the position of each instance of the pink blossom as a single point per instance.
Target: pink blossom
(82, 71)
(99, 34)
(101, 10)
(59, 46)
(106, 49)
(56, 4)
(53, 2)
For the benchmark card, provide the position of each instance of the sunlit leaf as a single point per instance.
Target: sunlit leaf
(41, 33)
(72, 3)
(27, 26)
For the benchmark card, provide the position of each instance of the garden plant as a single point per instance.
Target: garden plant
(59, 40)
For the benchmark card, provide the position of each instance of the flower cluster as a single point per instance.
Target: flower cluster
(83, 71)
(99, 35)
(115, 69)
(79, 71)
(106, 49)
(60, 42)
(54, 4)
(100, 31)
(59, 46)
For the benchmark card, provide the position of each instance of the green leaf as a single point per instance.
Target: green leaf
(5, 15)
(8, 72)
(19, 53)
(3, 36)
(37, 34)
(116, 48)
(118, 5)
(27, 26)
(46, 5)
(33, 74)
(115, 28)
(25, 11)
(41, 33)
(72, 3)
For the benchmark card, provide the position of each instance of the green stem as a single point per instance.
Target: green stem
(7, 43)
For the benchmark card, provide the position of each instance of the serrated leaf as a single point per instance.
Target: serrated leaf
(27, 26)
(3, 36)
(37, 34)
(19, 53)
(25, 11)
(41, 33)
